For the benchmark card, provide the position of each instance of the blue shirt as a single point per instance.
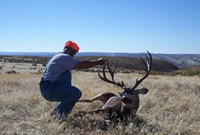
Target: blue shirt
(57, 65)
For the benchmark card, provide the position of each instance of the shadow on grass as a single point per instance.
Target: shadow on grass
(93, 123)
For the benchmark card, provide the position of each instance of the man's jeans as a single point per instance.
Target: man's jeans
(61, 91)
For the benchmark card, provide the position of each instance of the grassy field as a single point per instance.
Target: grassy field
(170, 107)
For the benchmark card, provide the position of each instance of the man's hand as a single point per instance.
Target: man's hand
(102, 61)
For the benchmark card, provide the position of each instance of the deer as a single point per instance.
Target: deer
(127, 103)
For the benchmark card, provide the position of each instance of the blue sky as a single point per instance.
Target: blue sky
(132, 26)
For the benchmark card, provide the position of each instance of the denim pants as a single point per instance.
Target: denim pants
(61, 91)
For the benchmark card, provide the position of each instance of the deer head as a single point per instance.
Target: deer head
(130, 96)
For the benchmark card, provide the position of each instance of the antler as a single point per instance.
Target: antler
(104, 78)
(146, 67)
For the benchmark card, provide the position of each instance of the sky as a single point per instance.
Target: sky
(128, 26)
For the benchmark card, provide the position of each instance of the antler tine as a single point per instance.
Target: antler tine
(143, 64)
(112, 72)
(150, 63)
(104, 78)
(146, 67)
(123, 86)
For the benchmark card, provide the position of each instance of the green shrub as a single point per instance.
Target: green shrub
(191, 72)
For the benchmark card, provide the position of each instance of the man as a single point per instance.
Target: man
(55, 84)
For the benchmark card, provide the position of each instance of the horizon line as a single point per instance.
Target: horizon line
(102, 52)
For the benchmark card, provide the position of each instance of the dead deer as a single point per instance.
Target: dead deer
(128, 102)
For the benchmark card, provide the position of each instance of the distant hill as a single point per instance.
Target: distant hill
(132, 63)
(40, 54)
(180, 60)
(125, 64)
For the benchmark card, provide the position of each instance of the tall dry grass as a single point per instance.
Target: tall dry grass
(170, 107)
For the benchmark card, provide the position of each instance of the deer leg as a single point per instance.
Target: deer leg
(98, 97)
(102, 97)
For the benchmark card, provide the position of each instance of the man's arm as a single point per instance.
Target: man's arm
(89, 64)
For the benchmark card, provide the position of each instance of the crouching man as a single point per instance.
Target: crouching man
(55, 84)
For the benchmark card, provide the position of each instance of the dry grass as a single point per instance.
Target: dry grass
(170, 107)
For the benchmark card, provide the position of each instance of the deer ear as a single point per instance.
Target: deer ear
(142, 91)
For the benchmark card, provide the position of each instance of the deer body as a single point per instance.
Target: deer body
(124, 105)
(116, 106)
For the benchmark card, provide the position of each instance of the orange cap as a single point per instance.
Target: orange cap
(72, 45)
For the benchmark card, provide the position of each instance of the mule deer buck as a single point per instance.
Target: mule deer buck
(127, 103)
